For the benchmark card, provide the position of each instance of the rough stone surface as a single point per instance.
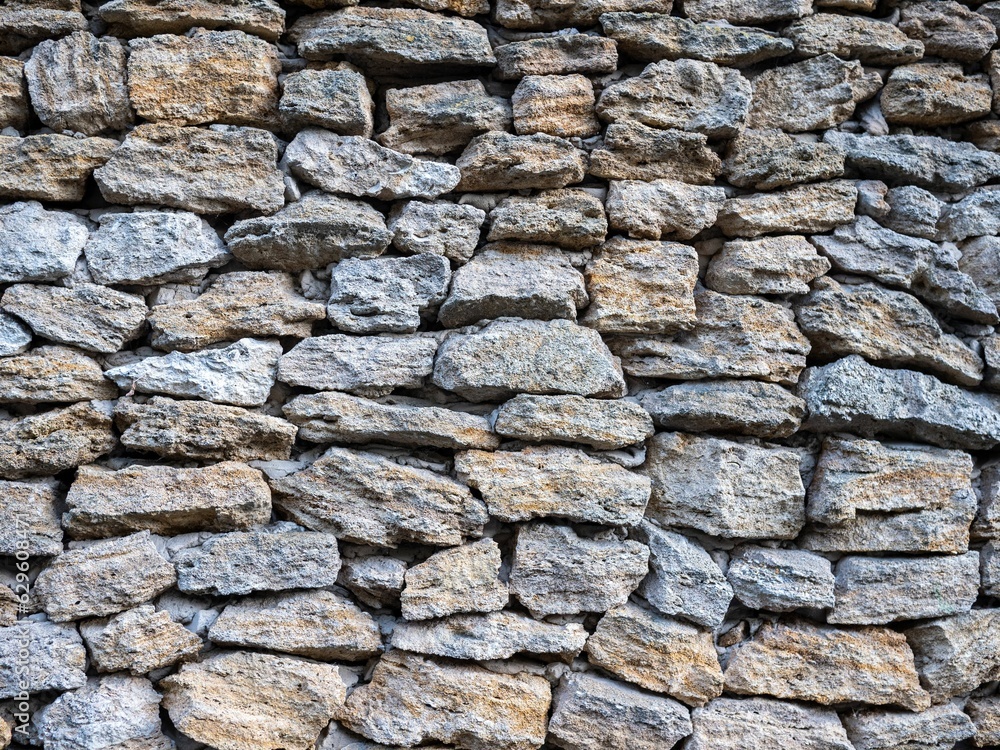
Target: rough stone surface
(662, 208)
(755, 12)
(15, 337)
(819, 207)
(871, 41)
(955, 654)
(633, 151)
(780, 580)
(30, 519)
(535, 14)
(572, 219)
(555, 55)
(52, 374)
(138, 640)
(48, 442)
(557, 105)
(50, 167)
(130, 18)
(948, 29)
(25, 22)
(985, 715)
(933, 95)
(937, 727)
(769, 265)
(599, 423)
(14, 109)
(766, 159)
(336, 100)
(57, 652)
(460, 579)
(40, 245)
(437, 227)
(740, 723)
(500, 161)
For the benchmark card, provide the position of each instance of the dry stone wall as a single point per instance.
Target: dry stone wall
(580, 374)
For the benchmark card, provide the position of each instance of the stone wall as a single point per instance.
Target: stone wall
(582, 374)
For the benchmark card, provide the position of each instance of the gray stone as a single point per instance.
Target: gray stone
(633, 151)
(15, 337)
(30, 522)
(978, 261)
(557, 105)
(138, 640)
(460, 579)
(948, 29)
(851, 37)
(780, 580)
(990, 569)
(386, 294)
(955, 655)
(128, 18)
(367, 498)
(987, 523)
(555, 55)
(985, 715)
(572, 219)
(537, 14)
(929, 95)
(915, 212)
(57, 654)
(25, 22)
(52, 374)
(357, 166)
(766, 159)
(600, 423)
(377, 580)
(500, 161)
(973, 216)
(770, 265)
(802, 209)
(51, 441)
(555, 571)
(438, 227)
(749, 13)
(937, 728)
(566, 359)
(39, 245)
(743, 723)
(336, 100)
(663, 208)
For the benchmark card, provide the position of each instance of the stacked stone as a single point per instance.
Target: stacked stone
(508, 375)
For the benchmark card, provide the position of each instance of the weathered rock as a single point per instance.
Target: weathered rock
(50, 167)
(732, 337)
(139, 640)
(166, 500)
(766, 159)
(572, 219)
(237, 700)
(884, 326)
(937, 728)
(15, 337)
(10, 608)
(948, 29)
(973, 216)
(764, 501)
(770, 265)
(530, 281)
(819, 207)
(6, 733)
(52, 374)
(336, 100)
(312, 233)
(990, 569)
(663, 208)
(741, 723)
(931, 95)
(595, 713)
(377, 580)
(366, 365)
(460, 579)
(851, 37)
(316, 624)
(684, 580)
(39, 245)
(103, 578)
(54, 440)
(269, 559)
(24, 22)
(551, 481)
(369, 499)
(802, 661)
(553, 357)
(985, 715)
(202, 430)
(441, 117)
(599, 423)
(78, 83)
(557, 105)
(535, 14)
(340, 418)
(555, 571)
(916, 212)
(852, 395)
(686, 94)
(14, 106)
(633, 151)
(780, 580)
(956, 654)
(657, 653)
(750, 13)
(500, 161)
(30, 520)
(462, 7)
(924, 160)
(386, 294)
(977, 262)
(555, 55)
(494, 635)
(438, 227)
(57, 656)
(129, 18)
(473, 707)
(745, 407)
(393, 40)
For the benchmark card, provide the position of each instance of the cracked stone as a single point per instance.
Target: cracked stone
(438, 227)
(52, 374)
(557, 105)
(600, 423)
(138, 640)
(869, 40)
(929, 95)
(769, 265)
(50, 167)
(47, 443)
(25, 22)
(948, 29)
(956, 654)
(460, 579)
(633, 151)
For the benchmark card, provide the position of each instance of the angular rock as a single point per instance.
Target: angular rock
(990, 569)
(851, 37)
(129, 18)
(309, 234)
(770, 265)
(205, 171)
(500, 161)
(441, 117)
(366, 498)
(738, 723)
(599, 423)
(103, 578)
(494, 635)
(537, 14)
(764, 501)
(554, 481)
(51, 441)
(366, 365)
(956, 654)
(315, 624)
(732, 337)
(377, 580)
(78, 83)
(269, 559)
(633, 151)
(564, 359)
(460, 579)
(663, 208)
(340, 418)
(10, 608)
(15, 337)
(30, 520)
(462, 7)
(439, 227)
(657, 653)
(684, 580)
(531, 281)
(780, 580)
(39, 245)
(852, 395)
(802, 209)
(595, 713)
(50, 167)
(748, 13)
(985, 715)
(937, 728)
(201, 430)
(139, 640)
(766, 159)
(386, 294)
(57, 654)
(798, 660)
(24, 22)
(931, 95)
(686, 94)
(473, 707)
(745, 407)
(228, 77)
(555, 55)
(977, 262)
(165, 500)
(238, 700)
(572, 219)
(948, 29)
(973, 216)
(336, 100)
(557, 105)
(52, 374)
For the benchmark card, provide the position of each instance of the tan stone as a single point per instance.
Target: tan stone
(633, 151)
(14, 108)
(139, 640)
(604, 424)
(52, 374)
(460, 579)
(663, 208)
(804, 209)
(55, 440)
(930, 95)
(500, 161)
(771, 265)
(50, 167)
(557, 105)
(766, 159)
(555, 55)
(128, 18)
(853, 37)
(540, 14)
(572, 219)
